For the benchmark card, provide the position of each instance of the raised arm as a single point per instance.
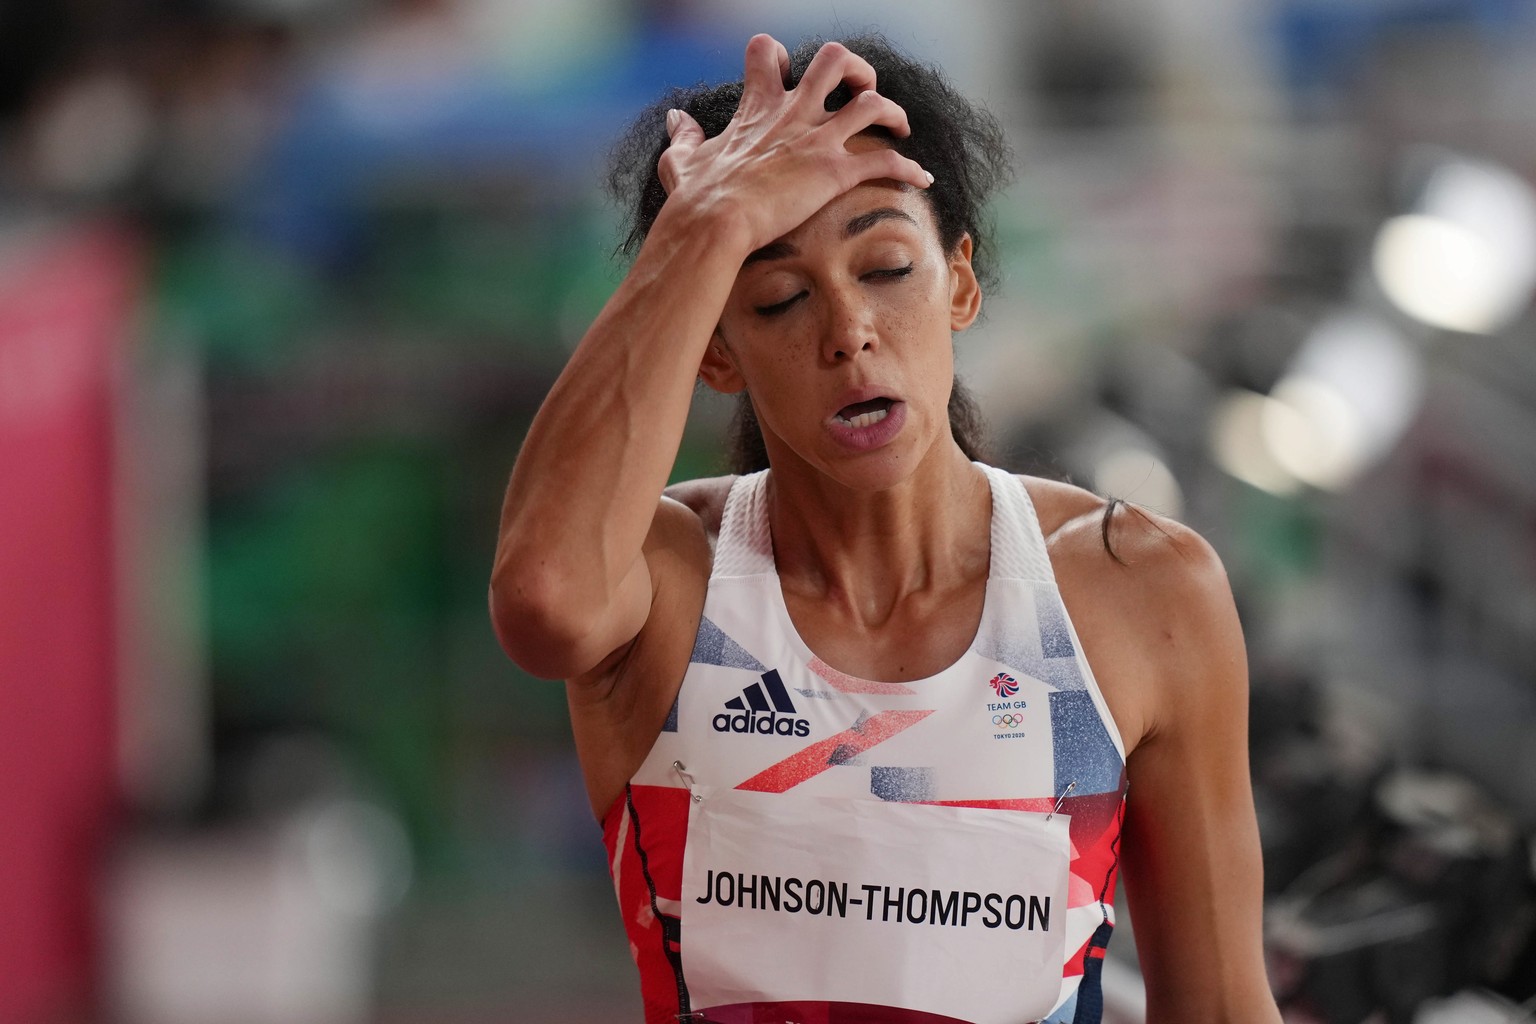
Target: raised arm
(571, 584)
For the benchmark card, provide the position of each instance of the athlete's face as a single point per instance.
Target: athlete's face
(841, 333)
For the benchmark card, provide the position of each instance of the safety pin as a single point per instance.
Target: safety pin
(1059, 800)
(688, 783)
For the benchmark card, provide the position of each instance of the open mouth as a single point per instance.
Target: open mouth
(864, 414)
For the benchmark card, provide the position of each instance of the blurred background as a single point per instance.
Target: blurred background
(283, 281)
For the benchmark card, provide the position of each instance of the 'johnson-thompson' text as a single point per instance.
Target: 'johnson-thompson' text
(895, 904)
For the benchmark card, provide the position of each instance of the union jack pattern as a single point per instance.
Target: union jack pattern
(925, 741)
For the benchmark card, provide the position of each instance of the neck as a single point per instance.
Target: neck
(866, 551)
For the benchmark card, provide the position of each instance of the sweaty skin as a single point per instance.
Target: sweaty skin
(796, 259)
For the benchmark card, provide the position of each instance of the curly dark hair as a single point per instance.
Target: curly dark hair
(961, 144)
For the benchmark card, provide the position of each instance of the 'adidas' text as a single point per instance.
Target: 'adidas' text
(769, 724)
(753, 712)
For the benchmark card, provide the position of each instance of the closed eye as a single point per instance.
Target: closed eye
(779, 307)
(887, 274)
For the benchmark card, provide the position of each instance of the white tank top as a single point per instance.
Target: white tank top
(768, 745)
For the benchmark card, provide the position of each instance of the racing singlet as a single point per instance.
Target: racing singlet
(805, 846)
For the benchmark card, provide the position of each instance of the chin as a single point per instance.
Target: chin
(879, 470)
(874, 472)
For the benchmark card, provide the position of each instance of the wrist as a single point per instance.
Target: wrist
(720, 226)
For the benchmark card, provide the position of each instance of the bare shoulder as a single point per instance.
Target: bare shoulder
(1150, 597)
(705, 497)
(1141, 551)
(1151, 603)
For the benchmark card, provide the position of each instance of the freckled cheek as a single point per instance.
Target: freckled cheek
(775, 367)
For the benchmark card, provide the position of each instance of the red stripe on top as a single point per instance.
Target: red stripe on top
(1038, 804)
(853, 684)
(817, 758)
(661, 815)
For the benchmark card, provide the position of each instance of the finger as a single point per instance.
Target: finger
(887, 163)
(683, 130)
(766, 67)
(833, 65)
(865, 110)
(686, 135)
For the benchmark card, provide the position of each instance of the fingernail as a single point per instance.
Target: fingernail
(930, 176)
(674, 118)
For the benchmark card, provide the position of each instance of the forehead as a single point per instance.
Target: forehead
(832, 219)
(851, 215)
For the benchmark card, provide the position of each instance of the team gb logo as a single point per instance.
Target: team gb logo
(1004, 684)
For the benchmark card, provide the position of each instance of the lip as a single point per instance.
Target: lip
(862, 393)
(876, 435)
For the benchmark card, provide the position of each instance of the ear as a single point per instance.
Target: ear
(964, 289)
(718, 369)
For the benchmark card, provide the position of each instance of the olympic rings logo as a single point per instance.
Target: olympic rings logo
(1009, 721)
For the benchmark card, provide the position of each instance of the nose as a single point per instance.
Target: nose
(849, 325)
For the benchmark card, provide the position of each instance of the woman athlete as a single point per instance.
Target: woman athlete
(860, 728)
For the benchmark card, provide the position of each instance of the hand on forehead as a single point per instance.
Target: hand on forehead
(783, 155)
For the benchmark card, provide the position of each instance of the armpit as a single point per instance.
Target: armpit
(705, 497)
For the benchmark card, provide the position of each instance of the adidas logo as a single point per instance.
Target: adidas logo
(755, 714)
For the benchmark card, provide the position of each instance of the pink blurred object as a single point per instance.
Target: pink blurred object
(67, 293)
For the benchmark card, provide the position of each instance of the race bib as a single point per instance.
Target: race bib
(956, 911)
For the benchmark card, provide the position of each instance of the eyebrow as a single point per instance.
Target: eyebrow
(857, 226)
(864, 221)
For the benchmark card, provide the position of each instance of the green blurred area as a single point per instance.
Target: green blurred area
(348, 553)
